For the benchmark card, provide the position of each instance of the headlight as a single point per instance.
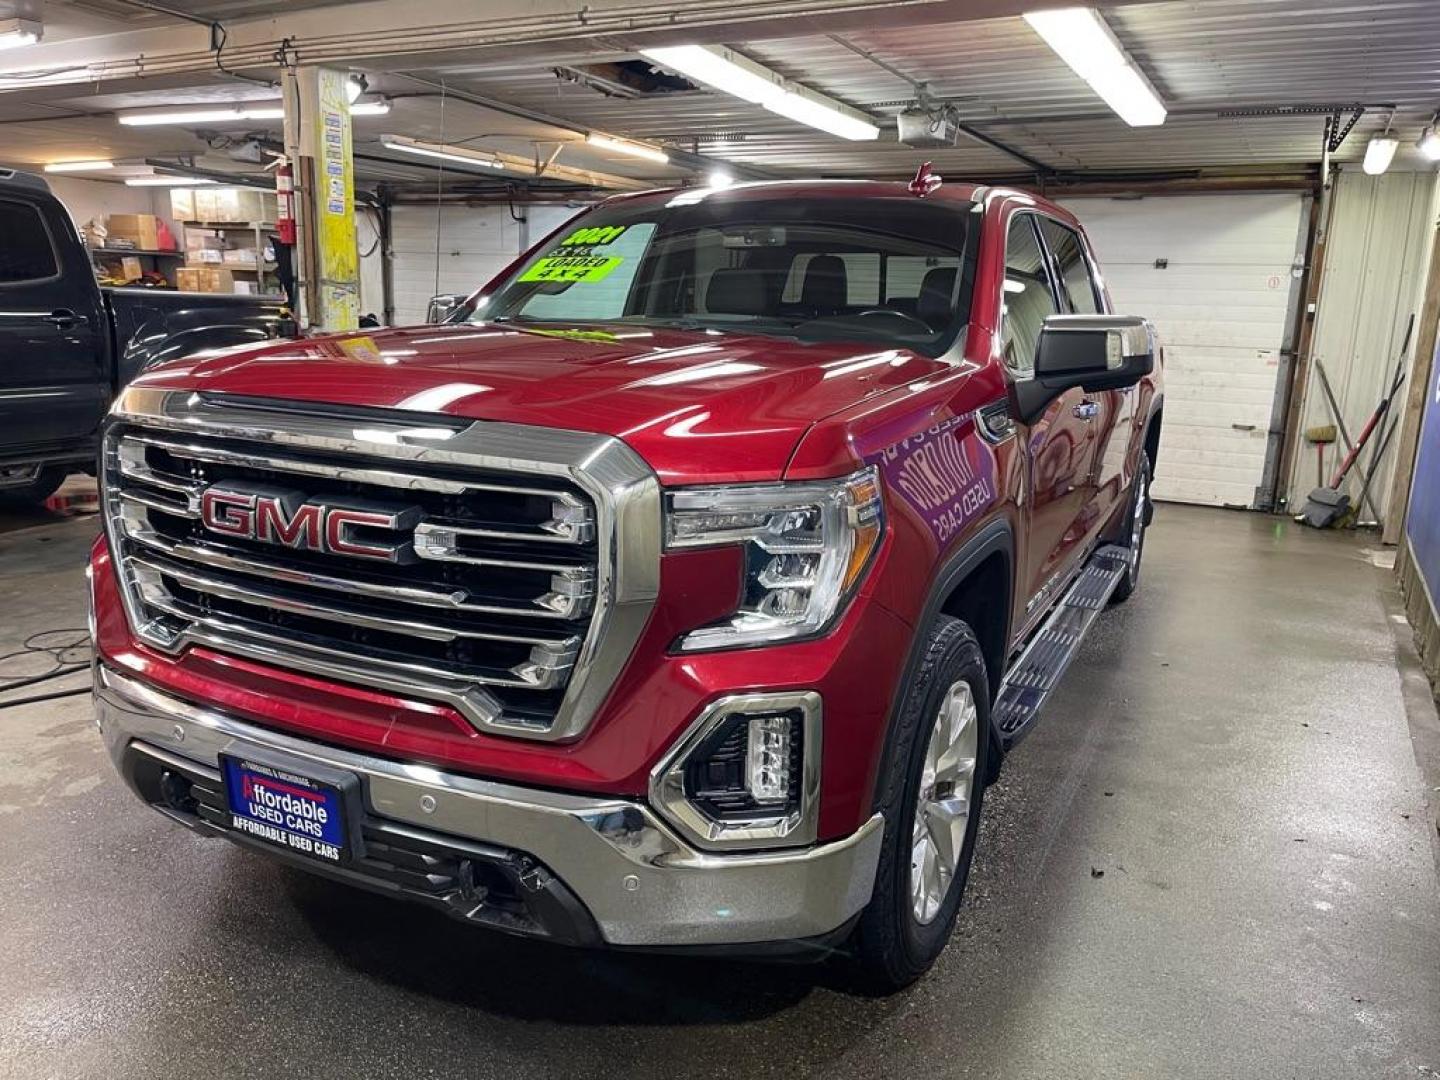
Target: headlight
(807, 546)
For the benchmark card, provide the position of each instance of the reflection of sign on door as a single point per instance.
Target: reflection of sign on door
(1422, 524)
(946, 474)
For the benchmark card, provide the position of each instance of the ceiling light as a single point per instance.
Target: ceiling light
(729, 72)
(1379, 153)
(1429, 143)
(719, 178)
(460, 154)
(355, 85)
(166, 181)
(1082, 39)
(203, 115)
(17, 32)
(378, 107)
(78, 166)
(626, 146)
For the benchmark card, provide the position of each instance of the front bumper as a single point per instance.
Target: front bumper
(632, 881)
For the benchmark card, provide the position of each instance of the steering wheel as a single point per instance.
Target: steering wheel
(895, 314)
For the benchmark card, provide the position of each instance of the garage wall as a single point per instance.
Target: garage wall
(89, 199)
(1221, 303)
(1376, 256)
(476, 242)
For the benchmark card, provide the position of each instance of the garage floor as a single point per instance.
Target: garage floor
(1213, 859)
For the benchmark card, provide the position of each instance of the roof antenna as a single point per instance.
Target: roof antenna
(925, 181)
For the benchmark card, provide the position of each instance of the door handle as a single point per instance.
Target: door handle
(1086, 410)
(61, 318)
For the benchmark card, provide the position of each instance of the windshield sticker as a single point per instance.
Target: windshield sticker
(573, 268)
(948, 476)
(594, 236)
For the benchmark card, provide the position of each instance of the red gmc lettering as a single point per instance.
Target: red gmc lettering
(300, 531)
(229, 512)
(339, 536)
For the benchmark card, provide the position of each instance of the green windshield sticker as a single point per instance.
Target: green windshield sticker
(572, 268)
(594, 235)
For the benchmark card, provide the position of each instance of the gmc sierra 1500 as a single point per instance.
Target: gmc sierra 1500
(685, 589)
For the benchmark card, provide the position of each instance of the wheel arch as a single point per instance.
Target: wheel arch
(975, 583)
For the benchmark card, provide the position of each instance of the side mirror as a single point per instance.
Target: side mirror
(443, 306)
(1091, 352)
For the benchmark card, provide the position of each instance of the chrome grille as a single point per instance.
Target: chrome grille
(525, 559)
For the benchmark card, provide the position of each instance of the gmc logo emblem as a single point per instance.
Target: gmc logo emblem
(287, 518)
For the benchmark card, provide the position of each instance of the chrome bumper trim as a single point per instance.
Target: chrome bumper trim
(642, 884)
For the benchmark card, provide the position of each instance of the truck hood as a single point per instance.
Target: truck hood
(697, 405)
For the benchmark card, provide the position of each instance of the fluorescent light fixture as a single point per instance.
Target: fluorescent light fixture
(241, 112)
(1429, 143)
(17, 32)
(1379, 152)
(628, 146)
(78, 166)
(1082, 39)
(720, 178)
(727, 71)
(460, 154)
(378, 107)
(202, 115)
(166, 181)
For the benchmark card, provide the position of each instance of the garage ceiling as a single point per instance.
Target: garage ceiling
(1207, 58)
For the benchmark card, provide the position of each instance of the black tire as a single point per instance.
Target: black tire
(1137, 521)
(893, 947)
(45, 484)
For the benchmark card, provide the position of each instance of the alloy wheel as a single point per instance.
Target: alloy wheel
(942, 809)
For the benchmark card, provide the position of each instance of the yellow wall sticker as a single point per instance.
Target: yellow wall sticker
(572, 268)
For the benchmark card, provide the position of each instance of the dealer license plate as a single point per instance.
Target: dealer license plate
(286, 809)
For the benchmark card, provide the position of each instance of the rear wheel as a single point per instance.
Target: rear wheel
(930, 795)
(1141, 510)
(27, 484)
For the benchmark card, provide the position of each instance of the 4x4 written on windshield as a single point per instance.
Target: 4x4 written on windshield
(574, 259)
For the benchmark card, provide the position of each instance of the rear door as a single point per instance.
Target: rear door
(1060, 445)
(1111, 412)
(54, 380)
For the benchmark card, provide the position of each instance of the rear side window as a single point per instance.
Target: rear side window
(1074, 270)
(26, 253)
(1027, 300)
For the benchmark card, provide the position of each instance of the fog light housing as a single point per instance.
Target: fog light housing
(746, 774)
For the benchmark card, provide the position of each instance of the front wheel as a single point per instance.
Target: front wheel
(1141, 510)
(930, 795)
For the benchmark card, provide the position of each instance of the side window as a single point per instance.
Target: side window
(26, 253)
(1027, 300)
(1075, 280)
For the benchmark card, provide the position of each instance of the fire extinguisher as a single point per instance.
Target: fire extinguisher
(285, 203)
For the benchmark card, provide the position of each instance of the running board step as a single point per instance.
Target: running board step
(1048, 653)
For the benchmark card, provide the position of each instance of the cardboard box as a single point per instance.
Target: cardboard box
(182, 204)
(216, 281)
(130, 268)
(240, 257)
(246, 288)
(198, 256)
(187, 279)
(203, 240)
(233, 205)
(142, 230)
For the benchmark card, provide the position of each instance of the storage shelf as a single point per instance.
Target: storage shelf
(136, 251)
(250, 226)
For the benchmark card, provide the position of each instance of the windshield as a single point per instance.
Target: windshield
(830, 269)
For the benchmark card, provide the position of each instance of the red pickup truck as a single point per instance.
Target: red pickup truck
(683, 590)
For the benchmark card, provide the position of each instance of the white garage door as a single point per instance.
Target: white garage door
(1214, 273)
(475, 244)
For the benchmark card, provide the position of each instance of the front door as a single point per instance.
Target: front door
(54, 384)
(1061, 443)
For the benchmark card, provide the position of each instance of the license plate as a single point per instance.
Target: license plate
(286, 808)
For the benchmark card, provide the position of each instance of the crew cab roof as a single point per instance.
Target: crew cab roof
(16, 178)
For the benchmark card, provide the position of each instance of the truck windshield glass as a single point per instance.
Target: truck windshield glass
(813, 269)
